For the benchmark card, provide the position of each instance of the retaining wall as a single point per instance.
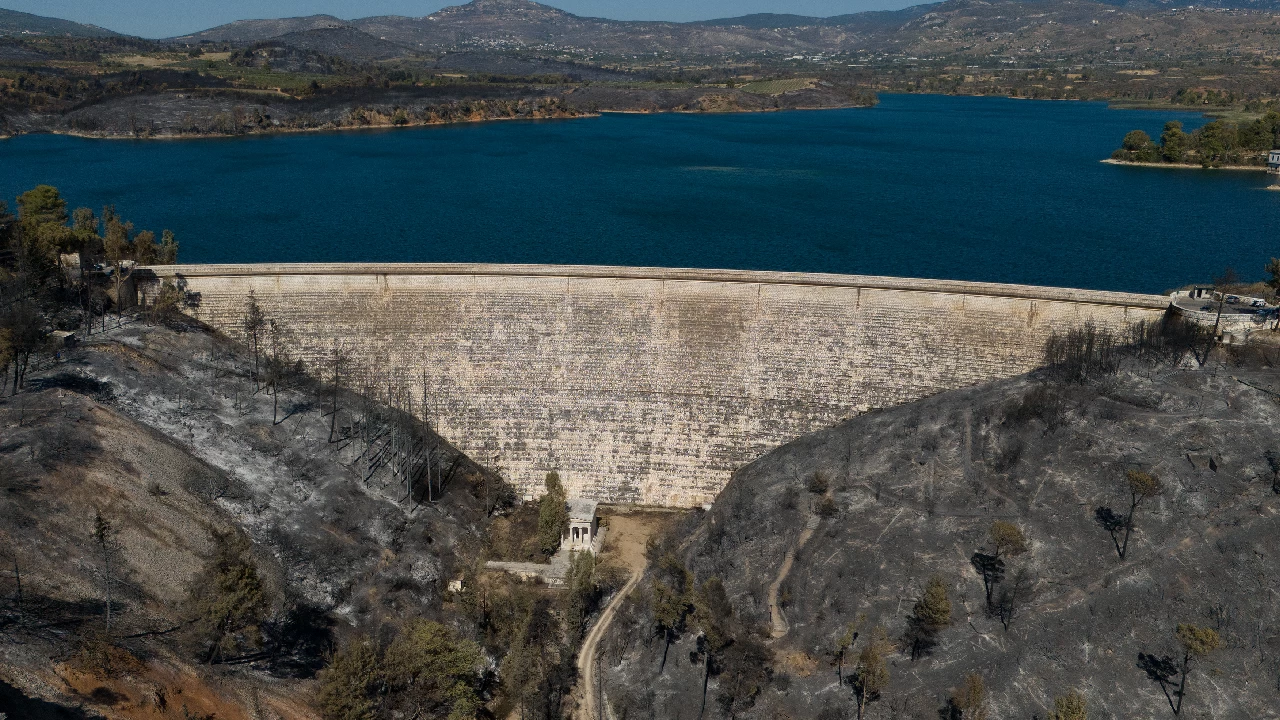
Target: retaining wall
(650, 384)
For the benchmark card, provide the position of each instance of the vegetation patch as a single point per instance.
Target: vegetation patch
(1219, 143)
(778, 87)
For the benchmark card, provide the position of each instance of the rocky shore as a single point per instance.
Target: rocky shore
(178, 113)
(1185, 166)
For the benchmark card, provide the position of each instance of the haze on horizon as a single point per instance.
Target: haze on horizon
(165, 18)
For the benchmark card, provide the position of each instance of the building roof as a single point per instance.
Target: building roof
(582, 510)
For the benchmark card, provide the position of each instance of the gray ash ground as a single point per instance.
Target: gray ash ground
(917, 488)
(161, 431)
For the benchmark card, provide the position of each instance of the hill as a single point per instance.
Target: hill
(1081, 29)
(342, 41)
(251, 31)
(13, 22)
(848, 526)
(160, 434)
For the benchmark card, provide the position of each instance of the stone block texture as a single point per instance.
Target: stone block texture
(648, 385)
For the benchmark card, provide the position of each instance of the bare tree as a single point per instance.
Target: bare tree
(104, 536)
(253, 323)
(17, 574)
(338, 360)
(1014, 596)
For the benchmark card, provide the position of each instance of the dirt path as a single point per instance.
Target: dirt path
(777, 620)
(624, 545)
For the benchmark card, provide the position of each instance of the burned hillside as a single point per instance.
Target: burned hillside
(144, 468)
(964, 556)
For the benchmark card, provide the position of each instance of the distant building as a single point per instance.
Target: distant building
(1273, 167)
(584, 526)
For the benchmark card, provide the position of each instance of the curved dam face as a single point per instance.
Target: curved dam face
(647, 385)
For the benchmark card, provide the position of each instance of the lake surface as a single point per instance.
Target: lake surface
(925, 186)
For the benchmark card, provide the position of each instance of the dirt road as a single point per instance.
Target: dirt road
(624, 546)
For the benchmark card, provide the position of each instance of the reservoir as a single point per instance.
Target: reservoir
(988, 189)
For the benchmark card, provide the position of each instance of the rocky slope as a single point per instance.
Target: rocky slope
(13, 22)
(162, 434)
(913, 492)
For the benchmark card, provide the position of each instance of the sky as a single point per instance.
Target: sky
(169, 18)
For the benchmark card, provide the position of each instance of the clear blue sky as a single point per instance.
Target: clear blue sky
(167, 18)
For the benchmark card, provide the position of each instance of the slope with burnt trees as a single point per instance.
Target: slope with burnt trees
(1102, 534)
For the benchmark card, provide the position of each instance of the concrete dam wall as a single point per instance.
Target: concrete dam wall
(649, 385)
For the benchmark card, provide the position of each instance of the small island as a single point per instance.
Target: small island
(1219, 144)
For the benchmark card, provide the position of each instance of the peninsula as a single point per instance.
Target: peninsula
(1219, 144)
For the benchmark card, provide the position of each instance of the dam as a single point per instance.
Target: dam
(645, 385)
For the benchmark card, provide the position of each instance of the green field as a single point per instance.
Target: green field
(777, 87)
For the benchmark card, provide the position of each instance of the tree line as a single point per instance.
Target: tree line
(64, 270)
(1217, 143)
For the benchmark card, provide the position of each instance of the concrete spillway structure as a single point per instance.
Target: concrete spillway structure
(649, 385)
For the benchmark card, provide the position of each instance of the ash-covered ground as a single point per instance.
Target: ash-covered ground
(914, 491)
(163, 433)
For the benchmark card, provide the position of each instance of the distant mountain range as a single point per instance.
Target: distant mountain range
(521, 24)
(953, 27)
(1134, 29)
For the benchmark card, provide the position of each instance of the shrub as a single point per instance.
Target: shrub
(1069, 707)
(227, 601)
(1082, 354)
(971, 698)
(103, 659)
(427, 671)
(827, 508)
(553, 515)
(790, 498)
(933, 609)
(930, 615)
(818, 483)
(1007, 538)
(1136, 140)
(349, 684)
(1043, 402)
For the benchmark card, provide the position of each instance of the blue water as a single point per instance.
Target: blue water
(926, 186)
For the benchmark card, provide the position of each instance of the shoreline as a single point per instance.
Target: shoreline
(293, 131)
(586, 114)
(601, 112)
(1184, 166)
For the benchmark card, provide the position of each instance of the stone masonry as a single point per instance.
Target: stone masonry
(649, 385)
